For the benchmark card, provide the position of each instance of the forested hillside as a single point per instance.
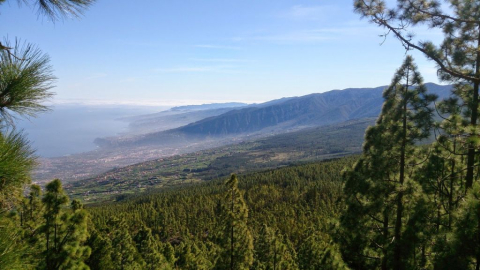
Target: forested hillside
(281, 219)
(288, 214)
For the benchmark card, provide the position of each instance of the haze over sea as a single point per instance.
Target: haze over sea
(72, 128)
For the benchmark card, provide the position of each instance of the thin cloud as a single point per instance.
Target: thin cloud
(223, 47)
(129, 79)
(318, 35)
(96, 76)
(183, 69)
(309, 13)
(301, 36)
(222, 60)
(143, 102)
(192, 69)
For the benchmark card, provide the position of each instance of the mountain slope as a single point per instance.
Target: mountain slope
(274, 117)
(307, 111)
(176, 117)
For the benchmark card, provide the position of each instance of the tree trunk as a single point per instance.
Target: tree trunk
(385, 237)
(450, 195)
(397, 257)
(231, 232)
(477, 266)
(473, 121)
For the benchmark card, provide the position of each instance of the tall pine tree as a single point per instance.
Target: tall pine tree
(457, 57)
(124, 253)
(236, 238)
(64, 231)
(148, 247)
(270, 251)
(380, 190)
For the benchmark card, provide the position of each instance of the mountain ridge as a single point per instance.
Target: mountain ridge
(311, 110)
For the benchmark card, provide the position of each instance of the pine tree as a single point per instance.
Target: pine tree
(236, 238)
(31, 210)
(193, 256)
(442, 181)
(25, 80)
(270, 251)
(14, 254)
(149, 249)
(101, 255)
(318, 251)
(57, 9)
(452, 169)
(457, 57)
(380, 190)
(64, 231)
(124, 255)
(169, 253)
(461, 248)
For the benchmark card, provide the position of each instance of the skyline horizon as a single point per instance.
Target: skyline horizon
(184, 102)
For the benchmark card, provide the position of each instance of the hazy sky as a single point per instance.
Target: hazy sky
(191, 51)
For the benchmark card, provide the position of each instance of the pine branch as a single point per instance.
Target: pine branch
(440, 15)
(408, 44)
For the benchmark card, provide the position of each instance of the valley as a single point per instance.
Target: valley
(280, 150)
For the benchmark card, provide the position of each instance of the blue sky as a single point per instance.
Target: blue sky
(193, 52)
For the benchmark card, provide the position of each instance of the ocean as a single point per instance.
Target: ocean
(70, 129)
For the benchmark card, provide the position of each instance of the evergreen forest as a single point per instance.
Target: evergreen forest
(406, 202)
